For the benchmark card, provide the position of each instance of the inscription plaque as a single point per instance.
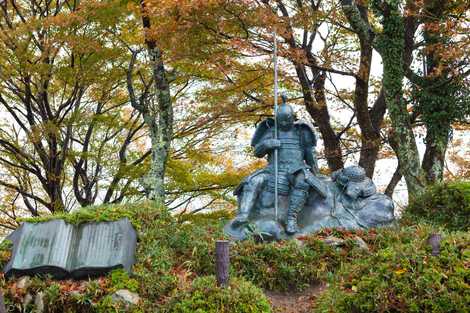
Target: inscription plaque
(65, 250)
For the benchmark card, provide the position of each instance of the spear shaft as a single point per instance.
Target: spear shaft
(276, 152)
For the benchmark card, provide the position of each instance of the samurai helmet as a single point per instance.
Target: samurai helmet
(354, 182)
(285, 115)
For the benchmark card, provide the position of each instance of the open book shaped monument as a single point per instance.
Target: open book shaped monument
(66, 250)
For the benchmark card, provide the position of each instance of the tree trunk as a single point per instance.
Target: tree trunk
(391, 47)
(319, 112)
(315, 104)
(393, 182)
(369, 121)
(370, 138)
(159, 117)
(437, 137)
(395, 44)
(434, 156)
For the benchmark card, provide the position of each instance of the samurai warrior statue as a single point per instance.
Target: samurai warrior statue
(308, 201)
(297, 166)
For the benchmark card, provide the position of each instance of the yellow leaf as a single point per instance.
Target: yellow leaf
(400, 271)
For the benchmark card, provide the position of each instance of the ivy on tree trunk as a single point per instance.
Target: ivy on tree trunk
(391, 46)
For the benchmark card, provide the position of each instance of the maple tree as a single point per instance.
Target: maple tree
(72, 136)
(69, 134)
(237, 31)
(392, 32)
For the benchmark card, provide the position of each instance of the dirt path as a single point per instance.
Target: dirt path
(298, 302)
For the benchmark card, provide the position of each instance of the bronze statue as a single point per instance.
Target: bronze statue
(297, 163)
(348, 199)
(289, 197)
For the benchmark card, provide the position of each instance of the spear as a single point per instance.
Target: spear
(276, 156)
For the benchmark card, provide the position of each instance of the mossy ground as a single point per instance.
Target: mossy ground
(401, 275)
(175, 268)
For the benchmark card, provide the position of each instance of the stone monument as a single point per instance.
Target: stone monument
(306, 200)
(65, 250)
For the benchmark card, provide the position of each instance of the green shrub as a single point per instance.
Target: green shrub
(446, 204)
(401, 275)
(205, 297)
(155, 259)
(194, 243)
(284, 266)
(210, 217)
(5, 252)
(120, 280)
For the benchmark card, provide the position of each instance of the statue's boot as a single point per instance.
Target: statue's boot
(297, 200)
(246, 202)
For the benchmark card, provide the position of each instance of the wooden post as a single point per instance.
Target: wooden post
(222, 262)
(434, 241)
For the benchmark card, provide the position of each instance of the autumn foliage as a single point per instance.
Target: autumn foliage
(88, 112)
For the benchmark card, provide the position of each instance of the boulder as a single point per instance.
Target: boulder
(24, 282)
(361, 243)
(333, 241)
(126, 296)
